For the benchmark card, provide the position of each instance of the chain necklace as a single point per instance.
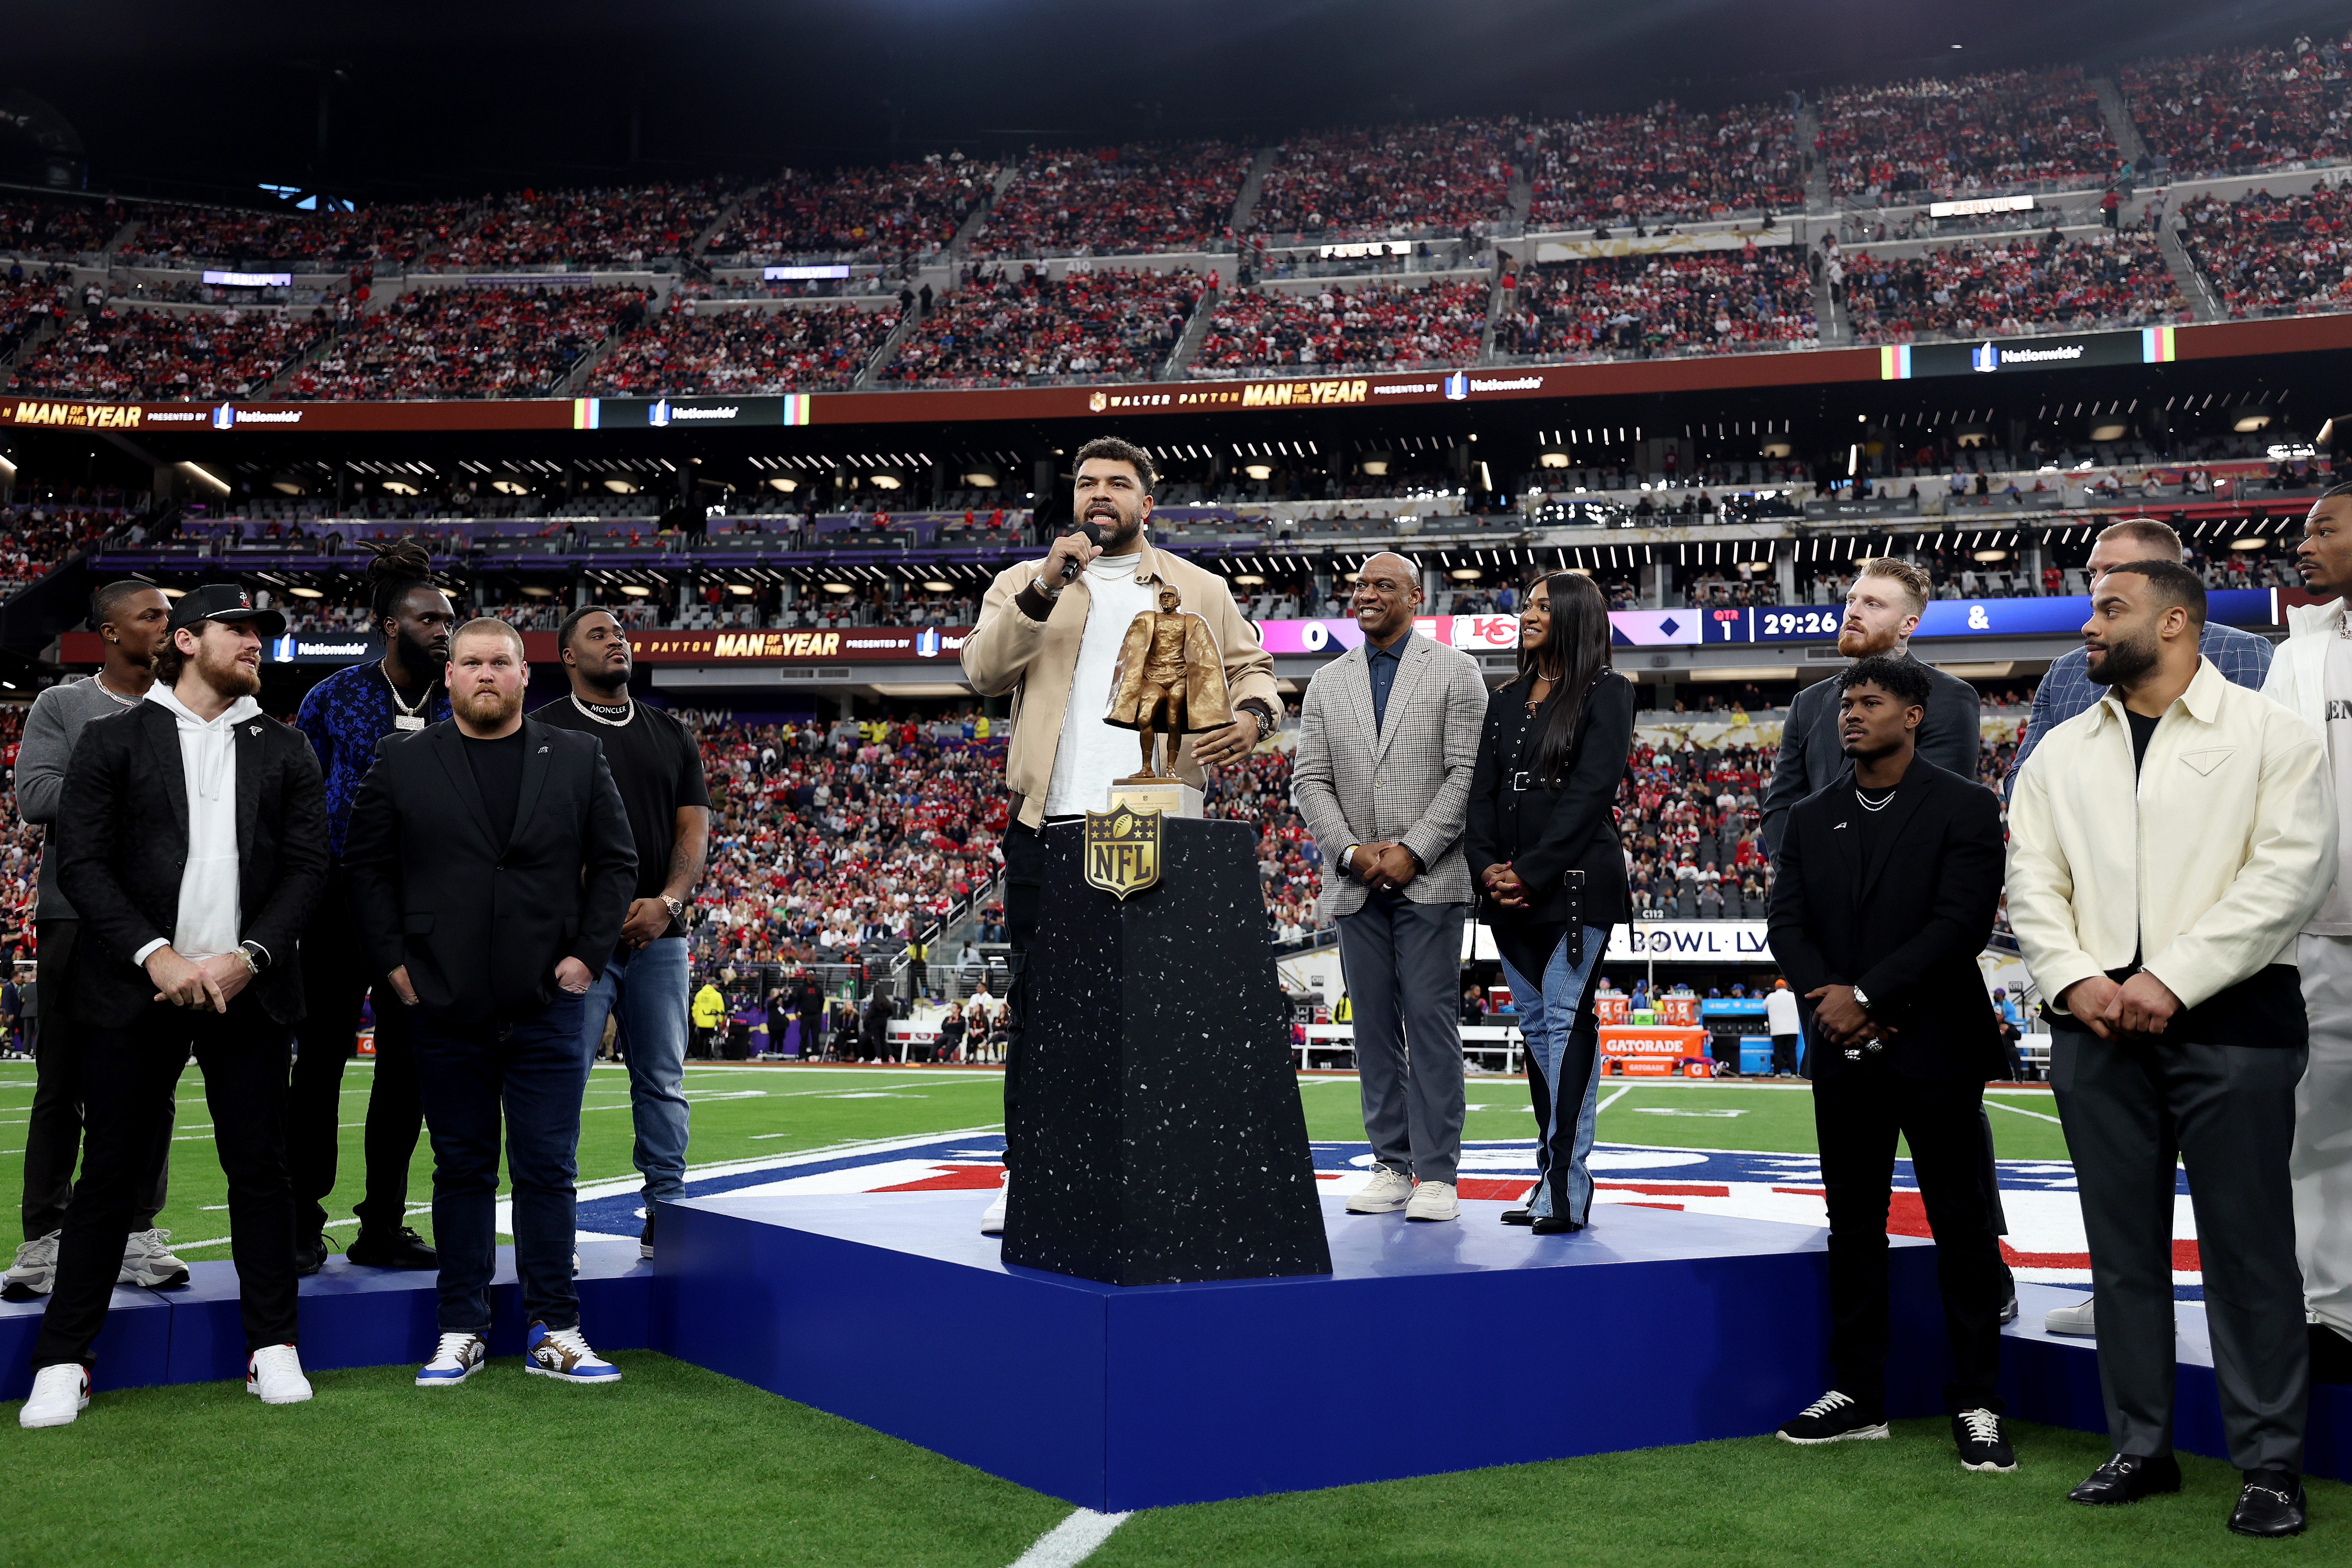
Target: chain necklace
(628, 711)
(1874, 806)
(99, 681)
(411, 711)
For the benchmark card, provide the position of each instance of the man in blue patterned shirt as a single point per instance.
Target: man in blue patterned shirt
(345, 716)
(2243, 658)
(2067, 690)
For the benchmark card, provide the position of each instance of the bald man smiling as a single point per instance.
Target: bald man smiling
(1388, 738)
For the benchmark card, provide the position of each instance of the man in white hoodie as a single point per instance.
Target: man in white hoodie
(2313, 677)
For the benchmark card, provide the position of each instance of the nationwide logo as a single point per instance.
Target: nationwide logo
(228, 416)
(659, 415)
(1457, 386)
(927, 643)
(78, 415)
(224, 418)
(1984, 356)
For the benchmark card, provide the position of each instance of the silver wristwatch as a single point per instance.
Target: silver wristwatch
(1862, 998)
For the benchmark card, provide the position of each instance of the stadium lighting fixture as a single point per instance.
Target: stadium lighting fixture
(622, 486)
(1249, 580)
(175, 593)
(1777, 450)
(1465, 574)
(306, 593)
(2249, 420)
(535, 592)
(2110, 430)
(510, 487)
(2249, 544)
(839, 588)
(982, 478)
(886, 481)
(399, 487)
(1375, 467)
(743, 589)
(1989, 556)
(1258, 471)
(784, 482)
(636, 591)
(934, 585)
(1554, 459)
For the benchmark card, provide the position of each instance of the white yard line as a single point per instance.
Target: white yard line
(1613, 1099)
(2020, 1110)
(1071, 1541)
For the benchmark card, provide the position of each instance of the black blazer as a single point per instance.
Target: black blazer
(1906, 930)
(122, 840)
(1812, 753)
(1546, 832)
(481, 926)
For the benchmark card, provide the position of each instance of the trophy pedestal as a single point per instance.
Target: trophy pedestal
(1170, 797)
(1153, 1122)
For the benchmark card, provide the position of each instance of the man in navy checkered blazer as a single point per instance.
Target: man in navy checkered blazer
(2067, 690)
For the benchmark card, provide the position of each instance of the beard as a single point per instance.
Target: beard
(1854, 642)
(613, 682)
(486, 709)
(2125, 661)
(224, 674)
(1119, 530)
(420, 654)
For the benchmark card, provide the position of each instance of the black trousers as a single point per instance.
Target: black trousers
(335, 979)
(1858, 1112)
(1024, 881)
(125, 1075)
(53, 1127)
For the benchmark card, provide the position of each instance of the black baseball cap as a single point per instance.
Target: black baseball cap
(224, 602)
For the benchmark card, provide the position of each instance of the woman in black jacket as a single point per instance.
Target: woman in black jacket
(1542, 843)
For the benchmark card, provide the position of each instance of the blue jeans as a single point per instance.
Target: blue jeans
(1563, 1042)
(647, 990)
(532, 1070)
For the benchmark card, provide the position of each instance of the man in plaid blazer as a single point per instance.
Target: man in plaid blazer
(2243, 658)
(1388, 737)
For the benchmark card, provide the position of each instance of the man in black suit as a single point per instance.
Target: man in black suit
(493, 938)
(1888, 886)
(192, 840)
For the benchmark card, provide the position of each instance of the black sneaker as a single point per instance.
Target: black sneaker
(378, 1246)
(1833, 1417)
(309, 1254)
(2270, 1503)
(2127, 1478)
(645, 1236)
(1984, 1443)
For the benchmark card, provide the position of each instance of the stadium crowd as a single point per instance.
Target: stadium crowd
(2110, 280)
(1709, 301)
(694, 347)
(55, 227)
(584, 228)
(34, 538)
(129, 353)
(468, 342)
(1006, 328)
(1375, 327)
(1664, 163)
(1952, 135)
(1120, 200)
(2241, 109)
(1392, 181)
(2273, 256)
(909, 209)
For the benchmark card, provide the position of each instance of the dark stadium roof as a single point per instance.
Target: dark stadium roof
(441, 99)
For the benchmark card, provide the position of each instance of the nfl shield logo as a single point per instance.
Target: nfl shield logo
(1122, 851)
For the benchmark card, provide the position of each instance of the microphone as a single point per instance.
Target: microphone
(1093, 530)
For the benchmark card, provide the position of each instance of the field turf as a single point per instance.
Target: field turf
(681, 1466)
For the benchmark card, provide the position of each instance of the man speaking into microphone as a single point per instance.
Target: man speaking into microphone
(1049, 633)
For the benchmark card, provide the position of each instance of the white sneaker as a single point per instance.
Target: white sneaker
(992, 1218)
(147, 1260)
(2074, 1320)
(1386, 1193)
(59, 1394)
(458, 1357)
(563, 1354)
(1433, 1200)
(35, 1272)
(274, 1373)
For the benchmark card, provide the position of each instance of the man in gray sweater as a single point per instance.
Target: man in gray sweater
(131, 617)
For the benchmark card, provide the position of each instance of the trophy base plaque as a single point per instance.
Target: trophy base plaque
(1170, 797)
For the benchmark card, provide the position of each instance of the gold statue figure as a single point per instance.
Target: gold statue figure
(1171, 680)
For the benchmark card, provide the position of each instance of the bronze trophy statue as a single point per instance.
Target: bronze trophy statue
(1169, 680)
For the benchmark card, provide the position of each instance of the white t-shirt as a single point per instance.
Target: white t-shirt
(1781, 1011)
(1091, 754)
(2334, 916)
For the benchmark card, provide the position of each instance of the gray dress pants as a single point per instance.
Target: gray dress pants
(1403, 962)
(2131, 1110)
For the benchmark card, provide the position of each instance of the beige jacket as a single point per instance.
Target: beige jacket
(2208, 866)
(1013, 650)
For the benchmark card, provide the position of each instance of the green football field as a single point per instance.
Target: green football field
(681, 1466)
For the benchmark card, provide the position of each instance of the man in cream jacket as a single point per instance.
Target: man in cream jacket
(2165, 847)
(1041, 639)
(2311, 675)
